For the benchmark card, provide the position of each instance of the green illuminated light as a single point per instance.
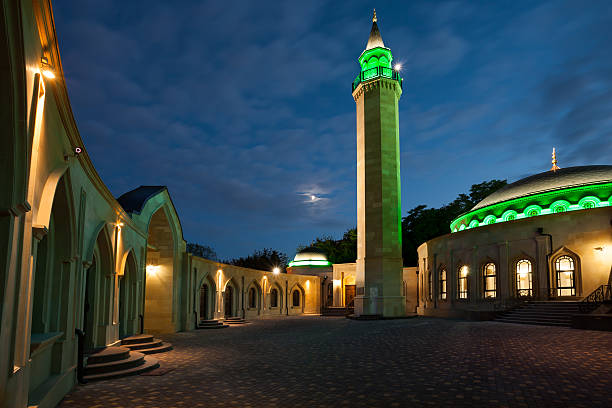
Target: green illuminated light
(470, 220)
(375, 63)
(310, 262)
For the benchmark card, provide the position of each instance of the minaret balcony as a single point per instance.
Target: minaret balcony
(377, 72)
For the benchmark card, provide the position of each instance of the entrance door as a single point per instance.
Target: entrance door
(122, 317)
(229, 301)
(88, 306)
(204, 302)
(349, 295)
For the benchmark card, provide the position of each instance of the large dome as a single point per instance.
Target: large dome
(572, 188)
(549, 181)
(310, 257)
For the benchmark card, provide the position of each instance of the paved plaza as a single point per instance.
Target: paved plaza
(323, 362)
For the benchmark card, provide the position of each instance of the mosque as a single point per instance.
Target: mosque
(89, 276)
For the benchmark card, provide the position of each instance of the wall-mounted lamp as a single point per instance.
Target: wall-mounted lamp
(152, 270)
(276, 270)
(46, 69)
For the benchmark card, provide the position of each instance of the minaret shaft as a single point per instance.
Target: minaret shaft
(379, 249)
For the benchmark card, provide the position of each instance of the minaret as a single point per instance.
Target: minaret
(376, 91)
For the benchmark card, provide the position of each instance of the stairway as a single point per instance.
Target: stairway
(235, 320)
(546, 313)
(145, 344)
(211, 324)
(336, 311)
(115, 362)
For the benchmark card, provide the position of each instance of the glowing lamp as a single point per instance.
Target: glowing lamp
(152, 270)
(276, 271)
(398, 67)
(46, 69)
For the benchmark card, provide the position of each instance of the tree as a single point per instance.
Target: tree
(263, 260)
(203, 251)
(422, 223)
(337, 251)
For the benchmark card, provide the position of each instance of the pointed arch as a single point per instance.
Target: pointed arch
(297, 298)
(523, 275)
(565, 273)
(254, 296)
(128, 294)
(43, 211)
(275, 302)
(206, 295)
(231, 298)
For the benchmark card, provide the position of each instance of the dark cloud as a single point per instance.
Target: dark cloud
(244, 109)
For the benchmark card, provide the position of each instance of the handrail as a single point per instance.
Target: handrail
(600, 295)
(80, 355)
(375, 73)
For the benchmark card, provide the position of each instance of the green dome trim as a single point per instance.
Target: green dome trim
(568, 199)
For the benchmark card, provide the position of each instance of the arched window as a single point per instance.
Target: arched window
(252, 299)
(490, 281)
(443, 284)
(565, 270)
(274, 298)
(524, 278)
(431, 286)
(296, 297)
(462, 282)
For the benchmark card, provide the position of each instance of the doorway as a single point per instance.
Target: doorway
(229, 301)
(88, 318)
(204, 302)
(349, 295)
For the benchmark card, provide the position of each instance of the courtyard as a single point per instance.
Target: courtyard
(321, 362)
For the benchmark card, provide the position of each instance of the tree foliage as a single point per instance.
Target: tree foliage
(203, 251)
(337, 250)
(419, 225)
(422, 223)
(264, 260)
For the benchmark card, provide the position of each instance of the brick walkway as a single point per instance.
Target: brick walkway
(322, 362)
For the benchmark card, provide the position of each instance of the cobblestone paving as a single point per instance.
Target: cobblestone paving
(322, 362)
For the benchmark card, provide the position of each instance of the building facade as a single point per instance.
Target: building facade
(545, 237)
(76, 258)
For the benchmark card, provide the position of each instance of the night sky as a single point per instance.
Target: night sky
(244, 109)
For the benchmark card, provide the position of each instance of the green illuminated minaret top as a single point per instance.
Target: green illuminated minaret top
(375, 60)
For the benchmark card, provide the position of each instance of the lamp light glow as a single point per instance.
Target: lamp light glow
(46, 69)
(152, 270)
(398, 67)
(276, 270)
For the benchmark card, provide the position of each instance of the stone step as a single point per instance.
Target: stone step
(159, 349)
(134, 359)
(215, 326)
(532, 321)
(215, 323)
(209, 321)
(150, 363)
(234, 322)
(108, 354)
(336, 311)
(139, 346)
(139, 338)
(539, 313)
